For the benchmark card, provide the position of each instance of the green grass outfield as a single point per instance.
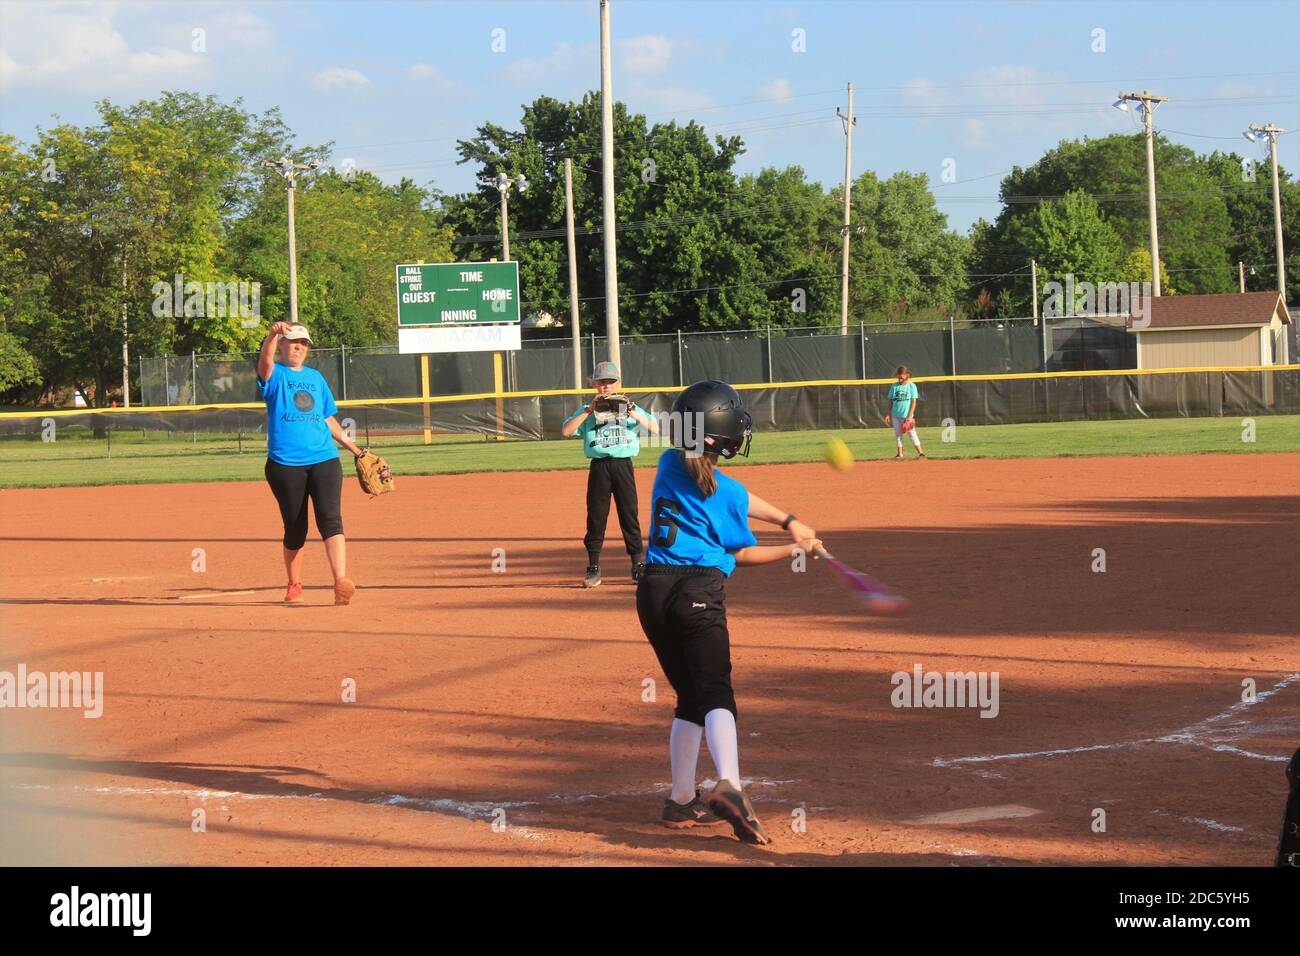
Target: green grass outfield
(76, 458)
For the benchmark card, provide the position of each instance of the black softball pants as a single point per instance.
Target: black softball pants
(683, 612)
(614, 476)
(294, 484)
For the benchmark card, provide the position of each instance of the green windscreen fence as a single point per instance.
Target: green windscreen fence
(810, 405)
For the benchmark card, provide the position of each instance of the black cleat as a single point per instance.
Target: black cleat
(593, 576)
(679, 816)
(734, 807)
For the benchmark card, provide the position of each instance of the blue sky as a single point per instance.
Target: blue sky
(394, 84)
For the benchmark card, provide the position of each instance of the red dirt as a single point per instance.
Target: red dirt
(523, 692)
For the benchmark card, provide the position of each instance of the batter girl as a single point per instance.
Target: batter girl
(699, 534)
(301, 460)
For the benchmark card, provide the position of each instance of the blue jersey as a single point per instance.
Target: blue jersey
(297, 404)
(688, 528)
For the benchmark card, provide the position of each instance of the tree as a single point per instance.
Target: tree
(906, 260)
(1247, 186)
(1072, 239)
(682, 213)
(1193, 214)
(22, 287)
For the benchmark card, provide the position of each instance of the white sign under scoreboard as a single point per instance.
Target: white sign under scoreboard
(467, 338)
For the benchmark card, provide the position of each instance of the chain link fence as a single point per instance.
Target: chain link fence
(759, 356)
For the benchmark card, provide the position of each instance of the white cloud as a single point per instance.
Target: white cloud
(432, 79)
(650, 53)
(655, 100)
(79, 48)
(778, 90)
(240, 29)
(563, 59)
(1246, 89)
(975, 134)
(920, 92)
(1009, 86)
(338, 78)
(122, 48)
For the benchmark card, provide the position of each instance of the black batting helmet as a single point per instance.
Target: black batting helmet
(710, 416)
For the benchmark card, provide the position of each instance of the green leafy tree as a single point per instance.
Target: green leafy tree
(1193, 214)
(1247, 186)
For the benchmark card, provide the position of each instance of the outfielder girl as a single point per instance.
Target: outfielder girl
(699, 534)
(903, 397)
(301, 460)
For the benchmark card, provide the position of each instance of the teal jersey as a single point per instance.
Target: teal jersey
(901, 397)
(604, 436)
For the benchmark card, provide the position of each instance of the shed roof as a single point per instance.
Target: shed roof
(1226, 308)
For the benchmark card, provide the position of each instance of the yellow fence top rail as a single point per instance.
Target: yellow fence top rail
(542, 393)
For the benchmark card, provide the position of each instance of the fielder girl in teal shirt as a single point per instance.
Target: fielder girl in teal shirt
(903, 397)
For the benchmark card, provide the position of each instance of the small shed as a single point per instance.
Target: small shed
(1211, 331)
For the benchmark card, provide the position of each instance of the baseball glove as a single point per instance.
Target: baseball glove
(373, 473)
(610, 408)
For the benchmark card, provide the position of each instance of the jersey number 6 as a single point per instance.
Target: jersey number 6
(663, 531)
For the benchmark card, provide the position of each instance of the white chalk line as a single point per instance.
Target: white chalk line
(1199, 734)
(469, 809)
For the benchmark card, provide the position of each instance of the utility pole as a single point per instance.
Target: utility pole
(291, 171)
(1271, 132)
(1033, 274)
(1149, 103)
(573, 272)
(126, 357)
(849, 122)
(1241, 276)
(504, 184)
(607, 187)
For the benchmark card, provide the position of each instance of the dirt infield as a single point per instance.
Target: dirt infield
(519, 697)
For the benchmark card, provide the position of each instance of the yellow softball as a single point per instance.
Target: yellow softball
(838, 456)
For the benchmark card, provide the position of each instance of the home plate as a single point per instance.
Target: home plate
(1005, 811)
(217, 594)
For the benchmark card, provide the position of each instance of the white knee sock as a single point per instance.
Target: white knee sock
(916, 439)
(720, 729)
(684, 751)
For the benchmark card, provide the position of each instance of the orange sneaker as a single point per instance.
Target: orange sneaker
(294, 594)
(343, 591)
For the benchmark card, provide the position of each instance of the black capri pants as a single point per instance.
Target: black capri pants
(294, 484)
(606, 476)
(683, 611)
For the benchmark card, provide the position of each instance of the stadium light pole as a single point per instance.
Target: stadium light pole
(1271, 132)
(573, 272)
(1149, 103)
(607, 187)
(849, 122)
(504, 184)
(291, 171)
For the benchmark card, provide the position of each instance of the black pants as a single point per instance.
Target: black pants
(683, 612)
(616, 476)
(294, 484)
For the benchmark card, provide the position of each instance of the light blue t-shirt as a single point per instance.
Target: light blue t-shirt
(902, 396)
(608, 438)
(297, 404)
(688, 528)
